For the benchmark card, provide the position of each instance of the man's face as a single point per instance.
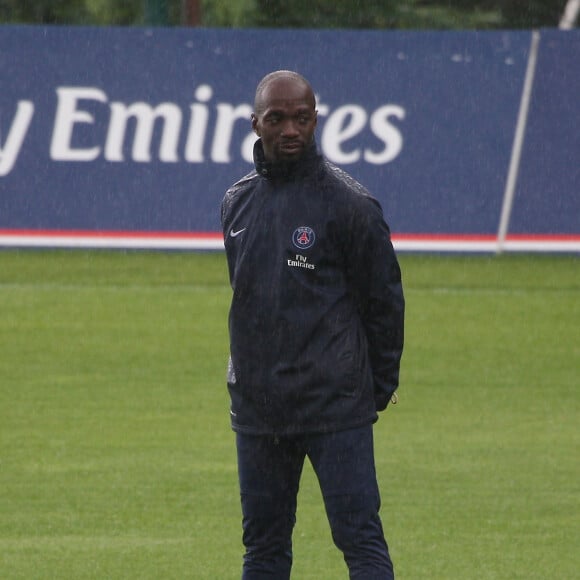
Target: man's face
(286, 121)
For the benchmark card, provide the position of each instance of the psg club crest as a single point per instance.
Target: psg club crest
(303, 237)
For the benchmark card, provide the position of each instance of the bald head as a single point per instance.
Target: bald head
(286, 76)
(284, 116)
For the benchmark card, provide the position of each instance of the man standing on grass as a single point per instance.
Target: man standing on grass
(316, 336)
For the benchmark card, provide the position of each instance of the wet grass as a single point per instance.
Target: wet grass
(117, 461)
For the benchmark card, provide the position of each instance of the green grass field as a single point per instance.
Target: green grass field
(117, 460)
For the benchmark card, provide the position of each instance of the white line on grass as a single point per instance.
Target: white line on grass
(489, 291)
(48, 287)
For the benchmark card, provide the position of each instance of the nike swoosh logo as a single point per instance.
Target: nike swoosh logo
(234, 234)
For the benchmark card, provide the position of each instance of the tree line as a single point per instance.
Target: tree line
(370, 14)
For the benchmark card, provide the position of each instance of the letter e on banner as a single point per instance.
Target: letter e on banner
(343, 124)
(67, 115)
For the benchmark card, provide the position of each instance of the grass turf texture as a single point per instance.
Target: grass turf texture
(117, 460)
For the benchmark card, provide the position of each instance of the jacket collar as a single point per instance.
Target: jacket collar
(286, 171)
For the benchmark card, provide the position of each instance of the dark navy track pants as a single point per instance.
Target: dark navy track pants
(269, 471)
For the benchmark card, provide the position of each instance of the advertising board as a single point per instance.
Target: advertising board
(128, 137)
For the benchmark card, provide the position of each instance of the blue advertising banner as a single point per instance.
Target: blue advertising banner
(129, 137)
(547, 200)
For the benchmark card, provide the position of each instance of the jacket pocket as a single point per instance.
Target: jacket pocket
(350, 373)
(352, 360)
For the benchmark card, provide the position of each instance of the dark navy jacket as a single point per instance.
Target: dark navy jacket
(316, 320)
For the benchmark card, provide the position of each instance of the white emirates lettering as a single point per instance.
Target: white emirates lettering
(89, 125)
(300, 262)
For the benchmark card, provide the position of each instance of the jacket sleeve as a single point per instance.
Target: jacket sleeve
(375, 279)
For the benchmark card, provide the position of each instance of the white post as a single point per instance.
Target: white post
(570, 14)
(510, 187)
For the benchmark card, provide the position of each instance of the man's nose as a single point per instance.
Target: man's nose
(290, 128)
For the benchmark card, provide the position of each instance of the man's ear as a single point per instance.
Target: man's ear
(255, 124)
